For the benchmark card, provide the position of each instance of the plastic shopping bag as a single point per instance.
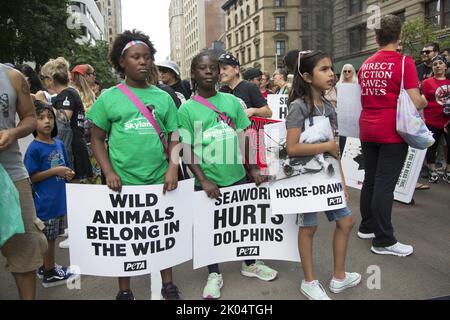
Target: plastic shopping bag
(10, 214)
(410, 125)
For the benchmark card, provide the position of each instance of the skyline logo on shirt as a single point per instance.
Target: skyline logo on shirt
(140, 125)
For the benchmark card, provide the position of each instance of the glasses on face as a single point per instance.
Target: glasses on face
(426, 51)
(348, 71)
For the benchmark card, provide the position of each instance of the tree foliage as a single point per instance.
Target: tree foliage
(35, 30)
(97, 56)
(416, 33)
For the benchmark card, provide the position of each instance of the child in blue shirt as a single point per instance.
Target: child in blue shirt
(47, 164)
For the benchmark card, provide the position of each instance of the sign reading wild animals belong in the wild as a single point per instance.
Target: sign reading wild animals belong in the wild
(133, 233)
(240, 226)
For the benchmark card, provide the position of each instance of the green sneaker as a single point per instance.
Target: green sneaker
(258, 270)
(213, 286)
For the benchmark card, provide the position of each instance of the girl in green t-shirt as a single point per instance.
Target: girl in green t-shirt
(135, 157)
(211, 173)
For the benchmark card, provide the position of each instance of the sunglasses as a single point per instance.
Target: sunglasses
(348, 71)
(426, 51)
(300, 60)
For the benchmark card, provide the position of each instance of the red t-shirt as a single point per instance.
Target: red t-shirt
(380, 78)
(437, 93)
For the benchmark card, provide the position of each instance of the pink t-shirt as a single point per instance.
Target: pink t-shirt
(380, 78)
(437, 93)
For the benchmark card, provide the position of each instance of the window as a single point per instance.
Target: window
(438, 12)
(249, 32)
(305, 3)
(357, 38)
(280, 46)
(243, 56)
(229, 23)
(280, 23)
(279, 3)
(242, 15)
(256, 26)
(235, 19)
(305, 21)
(249, 54)
(401, 15)
(257, 53)
(236, 36)
(229, 41)
(355, 6)
(306, 44)
(248, 11)
(242, 34)
(256, 5)
(320, 21)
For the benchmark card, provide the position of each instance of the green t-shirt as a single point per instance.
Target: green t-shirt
(214, 142)
(135, 149)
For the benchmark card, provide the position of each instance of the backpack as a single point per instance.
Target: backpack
(65, 133)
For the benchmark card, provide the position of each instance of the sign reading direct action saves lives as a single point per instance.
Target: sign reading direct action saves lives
(133, 233)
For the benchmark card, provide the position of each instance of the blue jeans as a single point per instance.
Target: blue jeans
(310, 219)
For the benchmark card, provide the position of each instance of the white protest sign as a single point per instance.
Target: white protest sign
(240, 226)
(348, 109)
(303, 184)
(278, 103)
(353, 167)
(133, 233)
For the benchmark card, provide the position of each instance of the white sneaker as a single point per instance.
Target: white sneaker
(398, 249)
(65, 234)
(366, 235)
(64, 244)
(213, 286)
(351, 280)
(314, 291)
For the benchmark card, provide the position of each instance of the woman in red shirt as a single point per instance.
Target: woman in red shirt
(437, 114)
(383, 149)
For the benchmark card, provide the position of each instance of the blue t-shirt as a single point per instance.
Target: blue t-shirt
(49, 194)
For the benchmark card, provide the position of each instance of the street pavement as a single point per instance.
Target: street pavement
(423, 275)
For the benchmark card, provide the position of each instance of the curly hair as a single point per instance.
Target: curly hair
(196, 61)
(121, 41)
(57, 69)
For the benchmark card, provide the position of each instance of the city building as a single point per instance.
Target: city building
(354, 42)
(91, 20)
(176, 26)
(112, 14)
(203, 25)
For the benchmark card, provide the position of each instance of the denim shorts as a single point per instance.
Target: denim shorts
(310, 219)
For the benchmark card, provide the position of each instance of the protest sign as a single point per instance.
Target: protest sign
(278, 103)
(136, 232)
(353, 167)
(256, 134)
(240, 226)
(303, 184)
(348, 109)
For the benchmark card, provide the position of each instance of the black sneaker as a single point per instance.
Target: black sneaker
(434, 177)
(170, 292)
(125, 295)
(57, 276)
(40, 271)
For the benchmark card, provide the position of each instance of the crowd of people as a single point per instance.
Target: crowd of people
(81, 137)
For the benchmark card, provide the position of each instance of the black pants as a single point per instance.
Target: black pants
(215, 267)
(431, 152)
(383, 165)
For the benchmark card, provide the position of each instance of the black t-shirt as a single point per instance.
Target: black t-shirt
(69, 99)
(171, 92)
(249, 93)
(424, 72)
(184, 88)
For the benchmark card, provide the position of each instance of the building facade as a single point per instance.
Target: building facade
(91, 21)
(112, 15)
(203, 25)
(353, 33)
(176, 31)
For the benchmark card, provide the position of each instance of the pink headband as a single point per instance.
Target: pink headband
(132, 43)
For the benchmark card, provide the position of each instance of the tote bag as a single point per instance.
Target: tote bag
(410, 125)
(10, 214)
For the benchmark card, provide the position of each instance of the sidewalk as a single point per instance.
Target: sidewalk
(424, 275)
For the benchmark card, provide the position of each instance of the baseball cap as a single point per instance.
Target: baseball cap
(81, 69)
(252, 73)
(229, 59)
